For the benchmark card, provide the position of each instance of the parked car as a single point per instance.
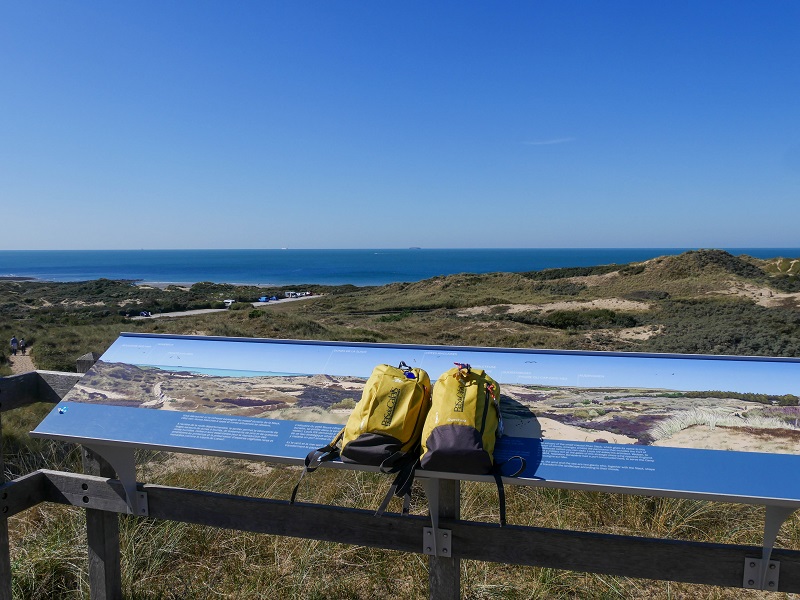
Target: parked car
(228, 303)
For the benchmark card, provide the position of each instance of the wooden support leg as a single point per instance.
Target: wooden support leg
(444, 579)
(102, 533)
(5, 561)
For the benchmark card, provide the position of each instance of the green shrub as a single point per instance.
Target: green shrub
(596, 318)
(347, 403)
(394, 317)
(241, 306)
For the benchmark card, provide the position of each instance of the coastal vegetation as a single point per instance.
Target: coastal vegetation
(697, 302)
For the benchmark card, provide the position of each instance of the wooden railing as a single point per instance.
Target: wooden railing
(104, 498)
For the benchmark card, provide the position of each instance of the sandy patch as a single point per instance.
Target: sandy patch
(129, 301)
(551, 429)
(607, 303)
(80, 303)
(108, 394)
(643, 332)
(763, 296)
(743, 439)
(352, 385)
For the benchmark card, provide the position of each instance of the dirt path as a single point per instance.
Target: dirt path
(21, 363)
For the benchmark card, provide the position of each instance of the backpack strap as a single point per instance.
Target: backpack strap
(497, 473)
(401, 487)
(501, 495)
(462, 371)
(405, 468)
(316, 457)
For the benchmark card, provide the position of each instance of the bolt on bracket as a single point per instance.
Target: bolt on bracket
(753, 575)
(437, 542)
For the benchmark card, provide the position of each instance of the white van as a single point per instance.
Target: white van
(228, 303)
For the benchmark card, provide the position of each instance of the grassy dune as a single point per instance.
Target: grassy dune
(706, 301)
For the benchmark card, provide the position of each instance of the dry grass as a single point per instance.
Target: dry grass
(176, 560)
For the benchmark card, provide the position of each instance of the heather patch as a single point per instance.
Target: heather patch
(638, 427)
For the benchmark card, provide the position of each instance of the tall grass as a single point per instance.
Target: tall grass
(698, 416)
(23, 454)
(177, 560)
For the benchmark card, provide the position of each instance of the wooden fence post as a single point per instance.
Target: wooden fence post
(444, 574)
(102, 528)
(5, 551)
(102, 534)
(85, 362)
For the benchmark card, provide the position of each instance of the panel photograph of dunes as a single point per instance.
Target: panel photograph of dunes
(744, 405)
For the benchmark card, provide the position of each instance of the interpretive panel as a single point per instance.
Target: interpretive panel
(644, 421)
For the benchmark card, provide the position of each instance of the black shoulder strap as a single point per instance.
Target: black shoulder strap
(401, 487)
(497, 473)
(501, 495)
(316, 457)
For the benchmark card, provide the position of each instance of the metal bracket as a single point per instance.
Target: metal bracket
(431, 487)
(141, 503)
(124, 463)
(766, 575)
(753, 575)
(437, 542)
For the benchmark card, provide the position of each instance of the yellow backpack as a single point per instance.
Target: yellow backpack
(462, 427)
(463, 423)
(384, 428)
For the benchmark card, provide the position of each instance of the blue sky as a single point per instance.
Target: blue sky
(354, 124)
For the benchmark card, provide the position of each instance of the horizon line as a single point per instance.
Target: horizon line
(412, 248)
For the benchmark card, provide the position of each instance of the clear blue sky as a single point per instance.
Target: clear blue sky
(366, 124)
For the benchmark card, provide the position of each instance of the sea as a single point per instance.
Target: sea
(280, 267)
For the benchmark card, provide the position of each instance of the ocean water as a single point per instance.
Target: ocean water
(224, 372)
(325, 267)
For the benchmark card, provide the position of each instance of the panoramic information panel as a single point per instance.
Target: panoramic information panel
(706, 426)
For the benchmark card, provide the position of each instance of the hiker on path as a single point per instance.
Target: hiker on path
(14, 345)
(22, 345)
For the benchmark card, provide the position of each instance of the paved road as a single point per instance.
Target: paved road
(183, 313)
(204, 311)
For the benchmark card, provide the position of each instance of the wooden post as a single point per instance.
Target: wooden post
(444, 575)
(102, 528)
(102, 534)
(85, 362)
(5, 551)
